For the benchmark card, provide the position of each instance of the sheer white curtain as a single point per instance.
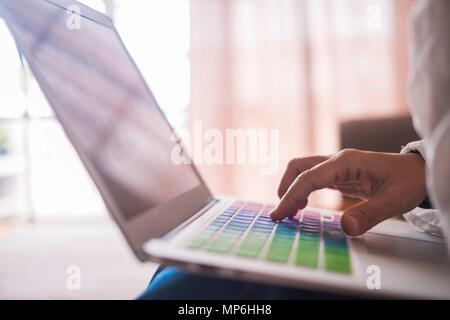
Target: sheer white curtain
(300, 66)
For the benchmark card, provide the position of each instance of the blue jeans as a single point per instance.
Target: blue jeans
(175, 284)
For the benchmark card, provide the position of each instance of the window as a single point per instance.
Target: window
(40, 171)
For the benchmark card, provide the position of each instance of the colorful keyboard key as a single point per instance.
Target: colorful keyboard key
(249, 225)
(336, 251)
(255, 240)
(281, 245)
(229, 235)
(204, 236)
(307, 254)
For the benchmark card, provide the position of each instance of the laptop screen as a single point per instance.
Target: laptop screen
(102, 101)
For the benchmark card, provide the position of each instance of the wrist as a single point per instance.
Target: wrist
(426, 202)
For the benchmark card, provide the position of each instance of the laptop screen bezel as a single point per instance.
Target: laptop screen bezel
(149, 224)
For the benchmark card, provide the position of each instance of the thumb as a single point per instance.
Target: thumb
(361, 218)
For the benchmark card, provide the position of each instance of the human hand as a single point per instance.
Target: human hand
(392, 184)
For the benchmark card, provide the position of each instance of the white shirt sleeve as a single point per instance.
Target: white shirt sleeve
(427, 220)
(429, 100)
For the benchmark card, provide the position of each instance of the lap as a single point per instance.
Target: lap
(175, 284)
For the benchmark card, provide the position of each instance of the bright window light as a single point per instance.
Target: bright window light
(157, 34)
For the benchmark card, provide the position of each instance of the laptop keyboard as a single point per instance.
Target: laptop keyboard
(313, 240)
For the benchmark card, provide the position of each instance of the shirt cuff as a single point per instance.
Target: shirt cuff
(418, 146)
(426, 220)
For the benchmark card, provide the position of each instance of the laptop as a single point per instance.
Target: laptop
(165, 210)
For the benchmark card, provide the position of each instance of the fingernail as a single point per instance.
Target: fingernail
(271, 215)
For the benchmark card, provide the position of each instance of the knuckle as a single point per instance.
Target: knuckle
(293, 163)
(305, 179)
(348, 153)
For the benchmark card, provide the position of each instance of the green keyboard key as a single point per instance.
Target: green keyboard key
(251, 246)
(197, 243)
(255, 239)
(250, 250)
(222, 244)
(201, 239)
(226, 239)
(281, 245)
(337, 262)
(337, 258)
(307, 253)
(278, 254)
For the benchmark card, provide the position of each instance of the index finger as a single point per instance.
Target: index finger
(318, 177)
(294, 168)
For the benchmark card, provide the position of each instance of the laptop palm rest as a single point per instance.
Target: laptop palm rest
(406, 248)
